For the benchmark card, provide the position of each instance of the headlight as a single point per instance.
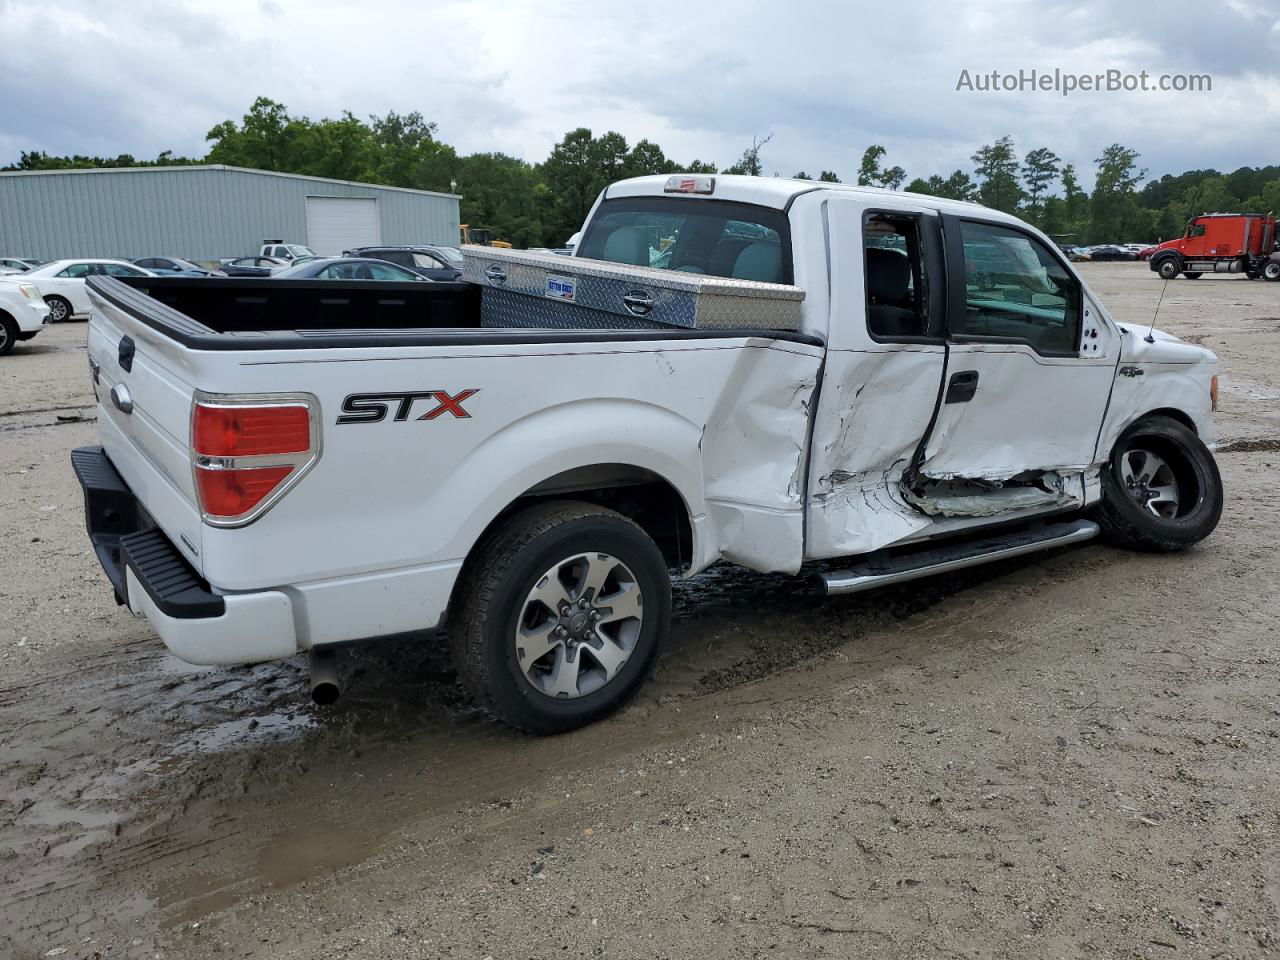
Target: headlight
(29, 291)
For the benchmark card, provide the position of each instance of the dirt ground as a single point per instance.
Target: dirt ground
(1072, 755)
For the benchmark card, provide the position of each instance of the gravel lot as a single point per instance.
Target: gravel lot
(1076, 755)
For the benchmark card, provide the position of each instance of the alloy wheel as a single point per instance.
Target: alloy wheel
(1151, 481)
(579, 625)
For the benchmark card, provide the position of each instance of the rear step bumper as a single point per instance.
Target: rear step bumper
(878, 572)
(154, 580)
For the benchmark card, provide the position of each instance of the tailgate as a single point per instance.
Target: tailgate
(143, 387)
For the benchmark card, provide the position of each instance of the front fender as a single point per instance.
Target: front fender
(1182, 388)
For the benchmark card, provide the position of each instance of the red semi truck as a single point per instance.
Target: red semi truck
(1221, 243)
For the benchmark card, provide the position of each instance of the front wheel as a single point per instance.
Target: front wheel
(1271, 270)
(59, 308)
(558, 619)
(1169, 268)
(1161, 490)
(9, 335)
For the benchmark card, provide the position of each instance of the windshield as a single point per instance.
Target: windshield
(716, 237)
(453, 255)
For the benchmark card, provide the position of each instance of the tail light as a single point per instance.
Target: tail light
(1213, 394)
(248, 451)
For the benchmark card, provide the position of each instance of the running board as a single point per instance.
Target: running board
(873, 573)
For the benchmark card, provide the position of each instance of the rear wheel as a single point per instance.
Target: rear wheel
(1161, 489)
(1191, 274)
(59, 308)
(1169, 268)
(559, 617)
(1271, 270)
(8, 335)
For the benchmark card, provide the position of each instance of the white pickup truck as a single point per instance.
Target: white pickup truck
(288, 466)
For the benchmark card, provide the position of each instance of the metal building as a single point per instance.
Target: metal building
(207, 212)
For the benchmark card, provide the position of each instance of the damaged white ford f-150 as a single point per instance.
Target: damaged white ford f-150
(858, 385)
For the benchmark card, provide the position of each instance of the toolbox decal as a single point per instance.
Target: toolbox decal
(561, 288)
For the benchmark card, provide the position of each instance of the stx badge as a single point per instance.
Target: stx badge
(373, 407)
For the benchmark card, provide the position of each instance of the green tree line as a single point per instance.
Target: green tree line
(541, 204)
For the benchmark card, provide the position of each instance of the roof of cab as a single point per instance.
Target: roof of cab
(778, 192)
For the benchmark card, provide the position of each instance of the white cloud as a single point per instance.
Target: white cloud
(87, 77)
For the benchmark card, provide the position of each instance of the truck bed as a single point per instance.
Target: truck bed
(214, 313)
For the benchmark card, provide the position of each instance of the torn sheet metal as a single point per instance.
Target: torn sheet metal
(872, 411)
(956, 497)
(754, 455)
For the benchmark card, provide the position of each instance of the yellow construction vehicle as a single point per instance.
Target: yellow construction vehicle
(480, 235)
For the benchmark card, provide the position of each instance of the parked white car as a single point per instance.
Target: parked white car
(61, 283)
(23, 313)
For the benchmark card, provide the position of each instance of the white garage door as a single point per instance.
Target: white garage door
(335, 224)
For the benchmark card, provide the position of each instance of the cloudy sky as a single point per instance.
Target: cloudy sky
(701, 79)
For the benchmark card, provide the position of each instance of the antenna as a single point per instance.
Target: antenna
(1149, 338)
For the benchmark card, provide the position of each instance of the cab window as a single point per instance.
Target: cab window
(716, 237)
(1015, 289)
(1195, 230)
(894, 277)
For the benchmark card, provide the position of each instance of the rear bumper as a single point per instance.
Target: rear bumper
(151, 577)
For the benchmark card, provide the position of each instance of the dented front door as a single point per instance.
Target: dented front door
(1031, 361)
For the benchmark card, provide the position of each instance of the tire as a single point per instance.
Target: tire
(8, 335)
(1191, 275)
(1271, 270)
(59, 308)
(1159, 509)
(1169, 268)
(512, 585)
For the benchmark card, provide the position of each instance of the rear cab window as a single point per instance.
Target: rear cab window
(718, 238)
(901, 260)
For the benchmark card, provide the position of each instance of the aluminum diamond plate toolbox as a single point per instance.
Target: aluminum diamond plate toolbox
(529, 289)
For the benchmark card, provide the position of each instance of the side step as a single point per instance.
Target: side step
(877, 572)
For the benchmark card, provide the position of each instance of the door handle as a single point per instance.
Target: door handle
(962, 386)
(638, 302)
